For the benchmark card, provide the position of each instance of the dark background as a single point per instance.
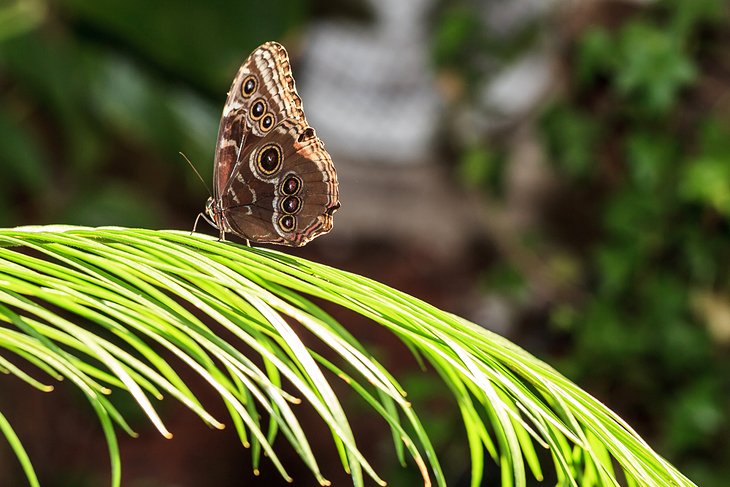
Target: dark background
(556, 171)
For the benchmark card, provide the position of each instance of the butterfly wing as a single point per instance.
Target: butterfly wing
(292, 186)
(274, 182)
(265, 76)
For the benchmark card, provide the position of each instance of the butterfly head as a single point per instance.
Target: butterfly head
(212, 212)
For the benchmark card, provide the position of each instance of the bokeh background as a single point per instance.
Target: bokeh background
(555, 170)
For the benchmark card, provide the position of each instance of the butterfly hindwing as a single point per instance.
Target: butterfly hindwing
(292, 184)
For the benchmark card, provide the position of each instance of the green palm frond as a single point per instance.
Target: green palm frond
(101, 307)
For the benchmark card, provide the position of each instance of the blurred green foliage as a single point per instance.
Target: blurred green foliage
(19, 16)
(631, 127)
(92, 92)
(645, 66)
(639, 141)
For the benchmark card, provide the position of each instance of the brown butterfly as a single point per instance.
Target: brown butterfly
(273, 180)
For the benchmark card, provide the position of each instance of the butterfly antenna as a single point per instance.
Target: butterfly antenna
(198, 174)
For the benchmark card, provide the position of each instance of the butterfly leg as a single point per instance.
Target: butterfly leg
(195, 225)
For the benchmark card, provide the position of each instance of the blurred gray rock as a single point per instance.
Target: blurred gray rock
(369, 89)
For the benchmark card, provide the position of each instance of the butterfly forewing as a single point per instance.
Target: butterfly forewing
(274, 182)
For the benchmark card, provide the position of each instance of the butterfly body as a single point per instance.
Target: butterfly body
(273, 180)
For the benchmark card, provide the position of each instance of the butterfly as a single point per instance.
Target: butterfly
(273, 180)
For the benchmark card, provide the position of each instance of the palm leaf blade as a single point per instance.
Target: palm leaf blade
(156, 290)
